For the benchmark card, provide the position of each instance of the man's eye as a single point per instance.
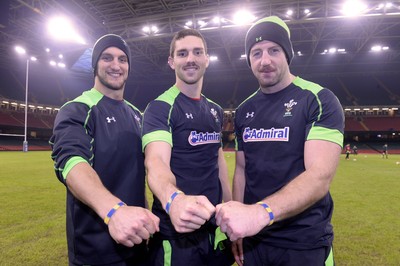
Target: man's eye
(256, 54)
(123, 59)
(106, 58)
(274, 50)
(182, 54)
(198, 52)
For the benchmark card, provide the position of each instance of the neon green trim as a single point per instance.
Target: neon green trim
(133, 107)
(211, 101)
(219, 237)
(169, 95)
(236, 145)
(314, 88)
(321, 133)
(307, 85)
(90, 98)
(329, 261)
(70, 164)
(167, 253)
(273, 19)
(159, 135)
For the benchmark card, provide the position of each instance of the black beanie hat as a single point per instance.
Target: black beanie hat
(109, 40)
(269, 29)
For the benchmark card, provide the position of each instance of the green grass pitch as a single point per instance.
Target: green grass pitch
(366, 219)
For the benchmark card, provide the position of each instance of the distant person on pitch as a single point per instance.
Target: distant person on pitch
(385, 151)
(97, 153)
(289, 136)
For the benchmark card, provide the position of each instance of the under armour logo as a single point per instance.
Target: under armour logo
(189, 116)
(110, 119)
(249, 114)
(259, 39)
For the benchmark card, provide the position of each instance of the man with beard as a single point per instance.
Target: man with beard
(185, 163)
(97, 152)
(289, 139)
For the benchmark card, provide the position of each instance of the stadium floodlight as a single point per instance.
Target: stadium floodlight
(146, 29)
(378, 48)
(213, 58)
(216, 20)
(332, 50)
(61, 29)
(154, 29)
(243, 17)
(353, 8)
(20, 50)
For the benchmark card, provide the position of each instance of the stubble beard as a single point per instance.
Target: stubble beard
(109, 85)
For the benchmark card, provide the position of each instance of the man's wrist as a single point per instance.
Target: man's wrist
(112, 212)
(171, 198)
(268, 209)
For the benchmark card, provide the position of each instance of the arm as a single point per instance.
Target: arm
(320, 158)
(187, 213)
(223, 176)
(239, 180)
(129, 225)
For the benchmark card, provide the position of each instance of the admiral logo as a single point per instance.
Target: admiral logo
(273, 134)
(204, 138)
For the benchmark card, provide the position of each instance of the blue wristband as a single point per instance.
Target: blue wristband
(168, 206)
(112, 211)
(268, 209)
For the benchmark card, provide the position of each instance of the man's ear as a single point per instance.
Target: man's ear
(171, 62)
(208, 61)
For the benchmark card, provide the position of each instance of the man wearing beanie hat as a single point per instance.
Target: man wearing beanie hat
(289, 135)
(97, 153)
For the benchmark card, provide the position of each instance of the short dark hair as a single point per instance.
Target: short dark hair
(182, 34)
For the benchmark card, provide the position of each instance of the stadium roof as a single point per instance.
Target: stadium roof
(357, 74)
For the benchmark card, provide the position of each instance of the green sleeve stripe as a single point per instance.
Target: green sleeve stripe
(330, 261)
(167, 253)
(219, 238)
(70, 164)
(159, 135)
(321, 133)
(236, 144)
(169, 95)
(314, 88)
(90, 98)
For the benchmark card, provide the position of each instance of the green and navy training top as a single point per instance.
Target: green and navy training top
(193, 129)
(105, 133)
(271, 130)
